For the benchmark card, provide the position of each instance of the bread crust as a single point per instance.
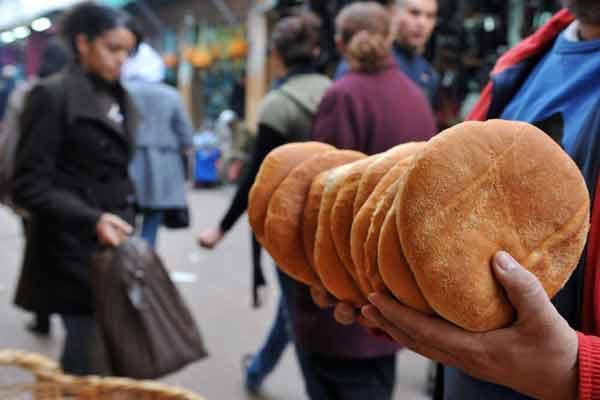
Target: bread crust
(378, 169)
(370, 271)
(274, 168)
(393, 272)
(328, 265)
(480, 187)
(362, 223)
(342, 212)
(283, 225)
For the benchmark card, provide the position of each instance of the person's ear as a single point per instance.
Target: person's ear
(82, 44)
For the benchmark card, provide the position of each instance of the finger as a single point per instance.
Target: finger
(202, 242)
(424, 329)
(374, 315)
(121, 225)
(344, 313)
(523, 289)
(110, 238)
(321, 297)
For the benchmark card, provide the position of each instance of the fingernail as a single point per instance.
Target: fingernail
(504, 261)
(372, 297)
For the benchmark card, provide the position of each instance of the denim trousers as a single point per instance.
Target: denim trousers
(279, 336)
(151, 221)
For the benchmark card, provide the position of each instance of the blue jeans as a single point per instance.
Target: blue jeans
(267, 357)
(152, 219)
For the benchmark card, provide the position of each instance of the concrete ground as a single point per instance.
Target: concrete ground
(216, 286)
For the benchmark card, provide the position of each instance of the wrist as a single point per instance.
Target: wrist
(564, 381)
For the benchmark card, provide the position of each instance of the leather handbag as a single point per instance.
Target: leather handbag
(148, 330)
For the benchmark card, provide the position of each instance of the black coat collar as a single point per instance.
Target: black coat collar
(81, 103)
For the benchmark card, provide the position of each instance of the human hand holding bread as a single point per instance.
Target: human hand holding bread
(536, 355)
(425, 239)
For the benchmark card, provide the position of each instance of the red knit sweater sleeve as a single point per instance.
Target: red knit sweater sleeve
(589, 367)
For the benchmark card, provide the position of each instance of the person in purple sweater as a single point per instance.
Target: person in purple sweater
(376, 106)
(371, 109)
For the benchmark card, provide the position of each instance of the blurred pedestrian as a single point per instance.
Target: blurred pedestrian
(162, 140)
(375, 106)
(371, 109)
(54, 58)
(285, 116)
(413, 22)
(71, 177)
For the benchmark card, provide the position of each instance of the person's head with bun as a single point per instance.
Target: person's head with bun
(101, 38)
(364, 37)
(295, 41)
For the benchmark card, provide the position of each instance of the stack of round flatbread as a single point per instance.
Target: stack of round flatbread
(423, 220)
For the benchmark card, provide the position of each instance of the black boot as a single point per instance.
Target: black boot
(40, 325)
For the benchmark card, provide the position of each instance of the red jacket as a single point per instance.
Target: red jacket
(494, 98)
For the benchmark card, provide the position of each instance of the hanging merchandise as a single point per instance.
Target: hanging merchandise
(169, 50)
(219, 58)
(201, 56)
(237, 47)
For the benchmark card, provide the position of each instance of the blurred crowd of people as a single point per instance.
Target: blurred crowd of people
(94, 148)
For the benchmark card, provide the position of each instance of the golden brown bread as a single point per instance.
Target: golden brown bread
(393, 269)
(342, 211)
(370, 271)
(327, 263)
(283, 225)
(274, 168)
(310, 216)
(362, 222)
(481, 187)
(378, 169)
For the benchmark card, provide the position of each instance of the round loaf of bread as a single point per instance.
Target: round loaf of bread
(370, 272)
(329, 267)
(480, 187)
(274, 168)
(393, 269)
(362, 222)
(283, 225)
(342, 211)
(310, 216)
(379, 168)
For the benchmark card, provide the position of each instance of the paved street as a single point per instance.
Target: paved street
(216, 286)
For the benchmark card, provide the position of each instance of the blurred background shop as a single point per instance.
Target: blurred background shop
(215, 53)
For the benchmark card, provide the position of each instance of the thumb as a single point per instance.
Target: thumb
(523, 288)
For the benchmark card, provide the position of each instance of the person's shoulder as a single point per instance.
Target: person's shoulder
(275, 99)
(51, 89)
(168, 92)
(273, 109)
(348, 84)
(52, 83)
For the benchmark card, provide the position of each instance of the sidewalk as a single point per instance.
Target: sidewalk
(216, 285)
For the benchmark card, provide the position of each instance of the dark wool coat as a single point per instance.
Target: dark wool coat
(71, 166)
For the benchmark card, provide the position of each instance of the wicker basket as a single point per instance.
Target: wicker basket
(50, 383)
